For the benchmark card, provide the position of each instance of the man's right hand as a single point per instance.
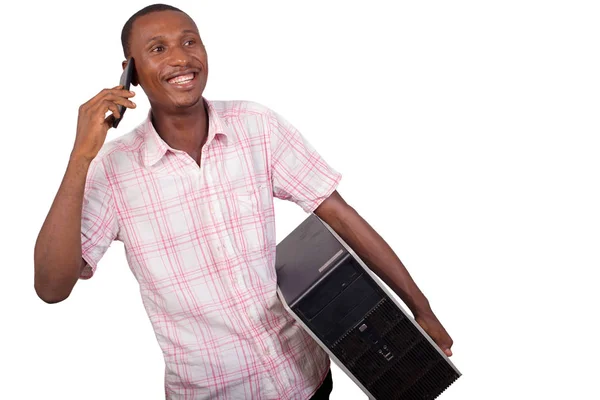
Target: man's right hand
(92, 125)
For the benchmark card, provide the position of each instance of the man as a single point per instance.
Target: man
(190, 194)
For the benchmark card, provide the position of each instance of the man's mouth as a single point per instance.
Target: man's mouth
(183, 80)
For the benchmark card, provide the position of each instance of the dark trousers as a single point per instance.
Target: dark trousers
(324, 390)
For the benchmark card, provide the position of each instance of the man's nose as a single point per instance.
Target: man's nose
(179, 57)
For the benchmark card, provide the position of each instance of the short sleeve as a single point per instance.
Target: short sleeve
(298, 172)
(99, 225)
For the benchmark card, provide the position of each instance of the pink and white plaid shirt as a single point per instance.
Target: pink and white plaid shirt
(201, 243)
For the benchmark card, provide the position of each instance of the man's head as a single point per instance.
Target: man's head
(170, 58)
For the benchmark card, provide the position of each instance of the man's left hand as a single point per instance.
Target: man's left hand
(434, 328)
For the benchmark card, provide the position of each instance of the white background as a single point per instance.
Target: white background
(467, 134)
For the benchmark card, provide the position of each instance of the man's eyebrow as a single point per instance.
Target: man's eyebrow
(154, 38)
(162, 37)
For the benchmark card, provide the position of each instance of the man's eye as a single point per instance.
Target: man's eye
(157, 49)
(190, 42)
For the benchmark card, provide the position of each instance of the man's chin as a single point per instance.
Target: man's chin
(182, 104)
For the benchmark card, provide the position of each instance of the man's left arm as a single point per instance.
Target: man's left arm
(382, 260)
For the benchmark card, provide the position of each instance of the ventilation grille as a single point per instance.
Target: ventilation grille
(391, 358)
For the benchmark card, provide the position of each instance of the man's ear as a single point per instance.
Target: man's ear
(134, 78)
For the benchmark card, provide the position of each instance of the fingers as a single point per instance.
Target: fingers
(116, 95)
(110, 106)
(113, 94)
(432, 326)
(448, 342)
(439, 335)
(122, 101)
(108, 100)
(117, 90)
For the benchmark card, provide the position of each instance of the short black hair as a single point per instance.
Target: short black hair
(126, 32)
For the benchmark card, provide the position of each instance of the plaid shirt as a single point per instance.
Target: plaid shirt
(201, 243)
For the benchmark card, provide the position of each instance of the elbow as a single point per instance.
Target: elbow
(50, 299)
(48, 295)
(53, 290)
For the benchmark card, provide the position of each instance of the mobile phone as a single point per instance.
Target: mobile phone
(125, 81)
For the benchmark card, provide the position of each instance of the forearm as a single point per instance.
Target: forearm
(57, 254)
(379, 257)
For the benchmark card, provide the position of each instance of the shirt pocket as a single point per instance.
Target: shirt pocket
(250, 206)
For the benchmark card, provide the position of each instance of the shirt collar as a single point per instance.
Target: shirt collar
(155, 147)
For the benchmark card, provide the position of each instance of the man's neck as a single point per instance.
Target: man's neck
(185, 131)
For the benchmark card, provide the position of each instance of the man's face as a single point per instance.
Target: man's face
(170, 59)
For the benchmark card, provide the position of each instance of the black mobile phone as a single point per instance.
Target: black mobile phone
(125, 81)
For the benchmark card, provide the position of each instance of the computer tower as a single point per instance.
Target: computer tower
(338, 300)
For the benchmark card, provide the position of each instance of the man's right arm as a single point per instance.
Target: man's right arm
(58, 258)
(57, 255)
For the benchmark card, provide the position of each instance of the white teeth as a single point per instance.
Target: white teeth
(182, 78)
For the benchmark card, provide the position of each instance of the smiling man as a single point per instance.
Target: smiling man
(190, 194)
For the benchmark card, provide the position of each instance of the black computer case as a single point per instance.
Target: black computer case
(329, 290)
